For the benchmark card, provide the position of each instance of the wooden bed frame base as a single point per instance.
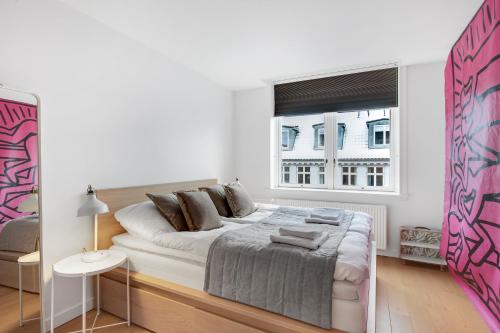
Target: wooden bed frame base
(162, 306)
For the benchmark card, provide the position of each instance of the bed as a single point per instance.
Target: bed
(167, 282)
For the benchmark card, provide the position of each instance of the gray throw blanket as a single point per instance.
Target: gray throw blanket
(244, 266)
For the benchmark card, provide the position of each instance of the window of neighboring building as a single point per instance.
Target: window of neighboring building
(286, 174)
(288, 136)
(321, 174)
(349, 175)
(340, 135)
(304, 175)
(375, 176)
(379, 133)
(319, 136)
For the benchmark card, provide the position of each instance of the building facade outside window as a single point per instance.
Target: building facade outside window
(350, 150)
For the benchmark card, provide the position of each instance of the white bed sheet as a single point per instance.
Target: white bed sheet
(348, 313)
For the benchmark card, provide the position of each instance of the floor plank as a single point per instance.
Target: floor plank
(410, 298)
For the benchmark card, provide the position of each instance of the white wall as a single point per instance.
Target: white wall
(114, 113)
(422, 161)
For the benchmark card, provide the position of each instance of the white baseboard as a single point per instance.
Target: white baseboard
(67, 314)
(388, 253)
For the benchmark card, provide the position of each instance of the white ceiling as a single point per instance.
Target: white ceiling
(241, 43)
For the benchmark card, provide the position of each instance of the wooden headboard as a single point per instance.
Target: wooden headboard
(118, 198)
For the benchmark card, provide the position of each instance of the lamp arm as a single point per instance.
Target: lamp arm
(96, 226)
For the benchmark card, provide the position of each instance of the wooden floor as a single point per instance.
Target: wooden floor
(410, 298)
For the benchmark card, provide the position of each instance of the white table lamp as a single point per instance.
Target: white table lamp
(30, 203)
(93, 207)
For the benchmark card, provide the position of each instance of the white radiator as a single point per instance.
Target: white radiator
(379, 213)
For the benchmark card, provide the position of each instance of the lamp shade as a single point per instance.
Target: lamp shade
(92, 206)
(29, 204)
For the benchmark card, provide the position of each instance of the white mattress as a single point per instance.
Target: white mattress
(173, 265)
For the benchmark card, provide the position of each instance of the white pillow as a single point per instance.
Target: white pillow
(143, 220)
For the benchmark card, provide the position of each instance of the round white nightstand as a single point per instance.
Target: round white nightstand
(74, 267)
(30, 259)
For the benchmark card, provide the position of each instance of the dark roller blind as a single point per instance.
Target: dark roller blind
(342, 93)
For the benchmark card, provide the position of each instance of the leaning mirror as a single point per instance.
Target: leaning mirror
(20, 226)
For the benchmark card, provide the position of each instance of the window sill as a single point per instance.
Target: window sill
(346, 193)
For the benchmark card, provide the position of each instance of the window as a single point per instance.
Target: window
(375, 176)
(302, 164)
(304, 175)
(379, 133)
(319, 136)
(349, 175)
(340, 135)
(286, 174)
(348, 151)
(285, 139)
(288, 136)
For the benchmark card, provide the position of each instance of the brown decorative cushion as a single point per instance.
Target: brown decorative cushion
(239, 200)
(218, 196)
(170, 209)
(199, 210)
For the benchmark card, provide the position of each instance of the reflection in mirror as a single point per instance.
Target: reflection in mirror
(19, 206)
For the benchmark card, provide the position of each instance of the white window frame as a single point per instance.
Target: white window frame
(283, 173)
(318, 132)
(303, 174)
(321, 173)
(375, 173)
(384, 129)
(349, 173)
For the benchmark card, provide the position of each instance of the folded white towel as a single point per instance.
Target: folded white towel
(334, 214)
(302, 242)
(321, 221)
(300, 232)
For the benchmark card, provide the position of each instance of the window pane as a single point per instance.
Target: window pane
(380, 180)
(370, 180)
(353, 169)
(287, 169)
(345, 180)
(387, 137)
(379, 138)
(307, 133)
(321, 169)
(380, 169)
(321, 178)
(370, 169)
(345, 169)
(353, 179)
(287, 178)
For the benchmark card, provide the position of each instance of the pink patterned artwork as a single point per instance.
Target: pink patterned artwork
(18, 156)
(471, 225)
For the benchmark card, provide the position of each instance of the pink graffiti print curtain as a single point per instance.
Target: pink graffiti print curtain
(18, 156)
(471, 225)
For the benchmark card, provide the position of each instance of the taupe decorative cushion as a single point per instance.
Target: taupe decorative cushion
(199, 210)
(218, 196)
(170, 209)
(239, 200)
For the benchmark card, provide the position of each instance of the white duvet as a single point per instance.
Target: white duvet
(353, 252)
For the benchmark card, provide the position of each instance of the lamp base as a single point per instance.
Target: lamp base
(94, 256)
